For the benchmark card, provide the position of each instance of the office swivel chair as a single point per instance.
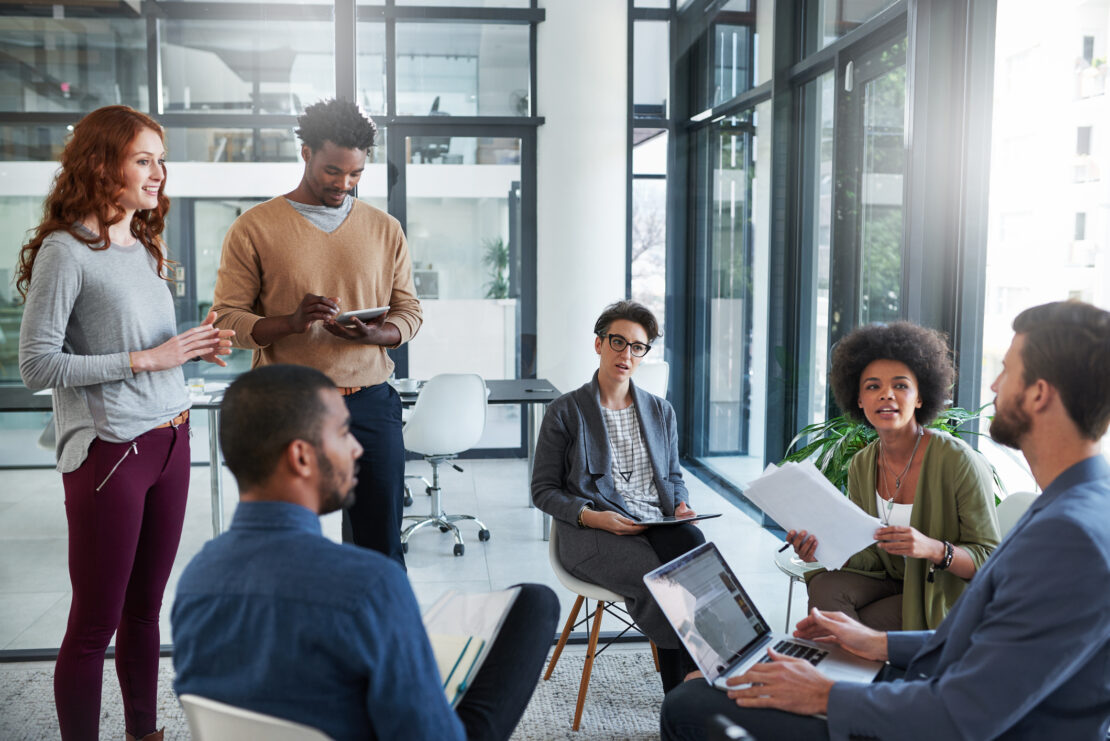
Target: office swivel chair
(449, 417)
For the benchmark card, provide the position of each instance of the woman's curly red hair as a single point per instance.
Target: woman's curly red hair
(90, 182)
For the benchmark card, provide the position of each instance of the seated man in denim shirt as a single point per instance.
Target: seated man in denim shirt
(273, 617)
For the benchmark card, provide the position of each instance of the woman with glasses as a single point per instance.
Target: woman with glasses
(607, 458)
(931, 492)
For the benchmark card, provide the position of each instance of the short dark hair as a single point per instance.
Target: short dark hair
(338, 121)
(631, 311)
(924, 351)
(1067, 344)
(263, 411)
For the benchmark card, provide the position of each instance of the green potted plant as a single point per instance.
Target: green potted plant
(496, 259)
(832, 443)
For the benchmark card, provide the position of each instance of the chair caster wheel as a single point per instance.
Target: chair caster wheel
(408, 500)
(443, 529)
(483, 535)
(404, 548)
(459, 549)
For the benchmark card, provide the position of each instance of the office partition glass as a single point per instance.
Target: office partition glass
(648, 261)
(260, 65)
(72, 65)
(462, 221)
(462, 69)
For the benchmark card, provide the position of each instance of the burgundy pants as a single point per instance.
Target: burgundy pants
(125, 506)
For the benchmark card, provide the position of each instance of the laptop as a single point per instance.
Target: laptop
(724, 632)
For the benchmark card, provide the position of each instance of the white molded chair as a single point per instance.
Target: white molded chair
(210, 720)
(653, 377)
(606, 601)
(1011, 509)
(449, 417)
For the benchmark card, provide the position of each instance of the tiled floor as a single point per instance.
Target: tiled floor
(34, 587)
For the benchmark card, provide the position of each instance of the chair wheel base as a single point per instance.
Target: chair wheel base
(459, 549)
(408, 500)
(483, 535)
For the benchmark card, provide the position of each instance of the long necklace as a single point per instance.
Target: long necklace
(897, 479)
(624, 466)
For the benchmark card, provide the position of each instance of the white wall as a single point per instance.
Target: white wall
(582, 50)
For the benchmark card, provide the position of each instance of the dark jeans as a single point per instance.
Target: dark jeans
(669, 542)
(492, 706)
(122, 543)
(374, 521)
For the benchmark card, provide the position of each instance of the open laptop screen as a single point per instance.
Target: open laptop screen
(712, 613)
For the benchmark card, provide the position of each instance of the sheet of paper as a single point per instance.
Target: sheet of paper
(798, 497)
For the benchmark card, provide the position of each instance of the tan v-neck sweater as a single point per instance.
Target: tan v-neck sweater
(272, 256)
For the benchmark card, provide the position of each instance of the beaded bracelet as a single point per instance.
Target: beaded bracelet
(949, 552)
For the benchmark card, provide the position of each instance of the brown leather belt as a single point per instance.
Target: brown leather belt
(348, 390)
(176, 421)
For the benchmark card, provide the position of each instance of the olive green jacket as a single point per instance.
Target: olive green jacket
(954, 502)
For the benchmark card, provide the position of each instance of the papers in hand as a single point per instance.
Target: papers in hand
(461, 628)
(798, 497)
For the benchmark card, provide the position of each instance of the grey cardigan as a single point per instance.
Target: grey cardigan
(572, 465)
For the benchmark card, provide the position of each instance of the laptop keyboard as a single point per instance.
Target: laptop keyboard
(798, 651)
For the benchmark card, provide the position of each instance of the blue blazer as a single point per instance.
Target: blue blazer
(572, 465)
(1025, 651)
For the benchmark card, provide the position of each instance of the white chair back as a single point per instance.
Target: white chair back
(1011, 509)
(653, 377)
(210, 720)
(572, 582)
(449, 415)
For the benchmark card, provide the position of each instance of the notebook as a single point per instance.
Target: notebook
(722, 629)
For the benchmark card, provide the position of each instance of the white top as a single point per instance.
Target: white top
(631, 468)
(894, 515)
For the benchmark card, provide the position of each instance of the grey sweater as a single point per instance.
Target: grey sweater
(86, 310)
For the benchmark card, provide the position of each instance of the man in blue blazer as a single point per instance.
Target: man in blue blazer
(1025, 652)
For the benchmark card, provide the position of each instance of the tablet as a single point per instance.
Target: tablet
(362, 315)
(678, 520)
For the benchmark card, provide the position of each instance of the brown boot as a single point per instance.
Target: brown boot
(156, 736)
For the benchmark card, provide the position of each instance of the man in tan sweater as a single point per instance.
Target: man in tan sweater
(291, 264)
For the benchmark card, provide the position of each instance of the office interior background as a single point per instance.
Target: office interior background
(764, 175)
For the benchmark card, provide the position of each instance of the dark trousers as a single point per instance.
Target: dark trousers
(122, 542)
(374, 521)
(669, 542)
(492, 706)
(689, 710)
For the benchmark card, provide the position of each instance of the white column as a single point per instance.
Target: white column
(582, 89)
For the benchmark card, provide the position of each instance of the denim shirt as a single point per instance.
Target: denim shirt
(273, 617)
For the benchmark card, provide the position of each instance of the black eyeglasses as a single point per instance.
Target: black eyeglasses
(618, 344)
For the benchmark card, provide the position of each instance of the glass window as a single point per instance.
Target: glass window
(463, 214)
(462, 69)
(52, 65)
(649, 221)
(32, 142)
(1049, 211)
(256, 66)
(460, 3)
(883, 162)
(828, 20)
(732, 61)
(818, 103)
(737, 292)
(371, 78)
(232, 144)
(651, 76)
(653, 3)
(18, 214)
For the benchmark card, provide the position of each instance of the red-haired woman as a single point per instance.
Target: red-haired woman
(98, 328)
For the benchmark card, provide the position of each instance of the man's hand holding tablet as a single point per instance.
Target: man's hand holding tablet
(363, 315)
(364, 326)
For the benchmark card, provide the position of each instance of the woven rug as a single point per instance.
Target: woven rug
(623, 701)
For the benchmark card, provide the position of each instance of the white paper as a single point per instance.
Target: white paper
(798, 497)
